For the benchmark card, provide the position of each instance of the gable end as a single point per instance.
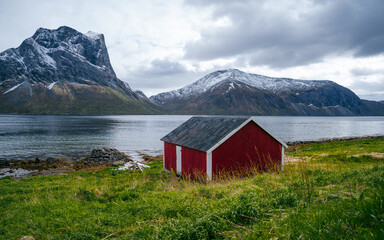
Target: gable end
(240, 127)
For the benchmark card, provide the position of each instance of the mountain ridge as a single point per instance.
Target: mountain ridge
(262, 82)
(235, 92)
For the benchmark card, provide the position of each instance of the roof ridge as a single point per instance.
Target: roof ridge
(224, 116)
(203, 132)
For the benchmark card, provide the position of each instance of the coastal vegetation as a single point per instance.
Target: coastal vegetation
(331, 190)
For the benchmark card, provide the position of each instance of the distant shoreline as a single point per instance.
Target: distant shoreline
(325, 140)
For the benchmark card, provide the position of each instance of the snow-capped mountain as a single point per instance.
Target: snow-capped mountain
(236, 92)
(212, 80)
(64, 71)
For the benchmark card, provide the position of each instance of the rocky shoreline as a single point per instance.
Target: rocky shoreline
(101, 158)
(98, 159)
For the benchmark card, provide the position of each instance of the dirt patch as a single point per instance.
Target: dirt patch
(148, 158)
(289, 159)
(236, 192)
(374, 155)
(323, 155)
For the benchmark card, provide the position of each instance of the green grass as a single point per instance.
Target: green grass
(342, 147)
(335, 192)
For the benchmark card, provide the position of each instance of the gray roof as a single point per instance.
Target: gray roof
(203, 133)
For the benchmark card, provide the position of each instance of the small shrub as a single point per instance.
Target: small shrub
(128, 195)
(205, 192)
(206, 227)
(146, 186)
(282, 198)
(86, 195)
(247, 208)
(377, 179)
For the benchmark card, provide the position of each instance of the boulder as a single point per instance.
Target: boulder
(107, 156)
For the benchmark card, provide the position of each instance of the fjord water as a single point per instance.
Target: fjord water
(24, 136)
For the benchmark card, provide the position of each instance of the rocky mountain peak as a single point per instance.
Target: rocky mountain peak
(235, 71)
(45, 36)
(56, 55)
(64, 71)
(94, 35)
(90, 46)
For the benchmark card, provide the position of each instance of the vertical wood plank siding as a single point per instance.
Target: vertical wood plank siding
(170, 156)
(248, 148)
(193, 162)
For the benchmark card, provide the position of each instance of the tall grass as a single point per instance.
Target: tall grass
(318, 198)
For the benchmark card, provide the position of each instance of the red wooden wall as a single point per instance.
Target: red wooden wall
(193, 162)
(170, 156)
(250, 147)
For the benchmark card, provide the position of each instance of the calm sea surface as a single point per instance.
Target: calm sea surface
(24, 136)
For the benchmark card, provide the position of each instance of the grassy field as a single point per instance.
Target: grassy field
(328, 191)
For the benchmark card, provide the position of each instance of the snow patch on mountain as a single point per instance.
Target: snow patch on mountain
(12, 88)
(13, 55)
(4, 56)
(94, 35)
(231, 86)
(50, 86)
(43, 53)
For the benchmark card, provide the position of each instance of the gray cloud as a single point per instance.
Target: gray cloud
(369, 86)
(283, 34)
(358, 72)
(164, 67)
(369, 90)
(159, 76)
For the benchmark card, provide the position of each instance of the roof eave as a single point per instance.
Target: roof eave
(276, 138)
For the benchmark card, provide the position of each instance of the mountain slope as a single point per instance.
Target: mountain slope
(63, 71)
(235, 92)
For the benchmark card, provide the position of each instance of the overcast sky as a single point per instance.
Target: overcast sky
(159, 46)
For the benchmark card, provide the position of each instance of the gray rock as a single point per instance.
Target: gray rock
(108, 156)
(4, 162)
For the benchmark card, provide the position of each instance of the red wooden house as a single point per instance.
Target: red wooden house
(212, 146)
